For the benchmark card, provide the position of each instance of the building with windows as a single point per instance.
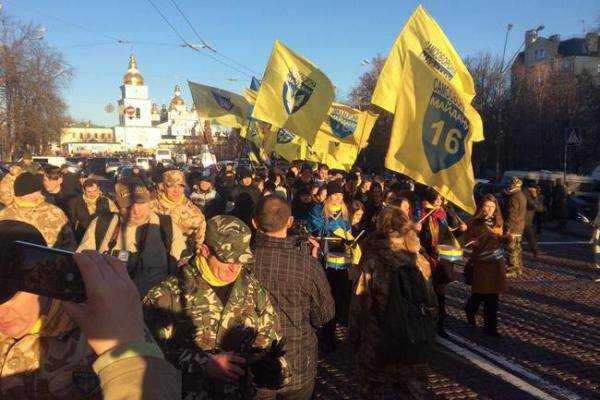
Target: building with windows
(177, 123)
(574, 55)
(88, 138)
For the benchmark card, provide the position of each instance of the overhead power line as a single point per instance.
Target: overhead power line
(205, 44)
(82, 27)
(192, 46)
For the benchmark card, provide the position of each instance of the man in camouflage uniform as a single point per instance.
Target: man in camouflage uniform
(43, 354)
(139, 238)
(515, 211)
(195, 314)
(172, 201)
(7, 193)
(29, 206)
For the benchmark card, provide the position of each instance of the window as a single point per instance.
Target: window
(137, 113)
(598, 69)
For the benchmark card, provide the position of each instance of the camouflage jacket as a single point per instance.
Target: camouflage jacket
(55, 363)
(187, 216)
(189, 322)
(7, 191)
(50, 220)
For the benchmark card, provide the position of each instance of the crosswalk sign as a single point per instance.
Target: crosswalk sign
(573, 138)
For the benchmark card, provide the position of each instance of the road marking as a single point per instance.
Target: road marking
(509, 365)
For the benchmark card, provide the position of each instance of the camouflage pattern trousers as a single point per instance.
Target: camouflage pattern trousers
(513, 255)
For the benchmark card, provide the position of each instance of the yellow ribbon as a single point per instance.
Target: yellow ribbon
(28, 204)
(335, 207)
(208, 275)
(170, 203)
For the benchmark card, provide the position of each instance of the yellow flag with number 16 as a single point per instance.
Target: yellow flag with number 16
(429, 89)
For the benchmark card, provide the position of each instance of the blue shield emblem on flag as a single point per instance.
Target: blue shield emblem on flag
(284, 136)
(342, 124)
(445, 130)
(223, 101)
(297, 90)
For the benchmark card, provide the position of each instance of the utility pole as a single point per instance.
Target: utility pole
(500, 132)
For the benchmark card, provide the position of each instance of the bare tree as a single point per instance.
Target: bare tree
(490, 99)
(373, 156)
(32, 76)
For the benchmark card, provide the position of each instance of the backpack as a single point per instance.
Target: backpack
(409, 318)
(165, 222)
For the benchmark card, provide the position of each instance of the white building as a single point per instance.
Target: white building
(135, 129)
(142, 124)
(177, 123)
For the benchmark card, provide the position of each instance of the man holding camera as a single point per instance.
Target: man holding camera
(100, 349)
(148, 244)
(215, 322)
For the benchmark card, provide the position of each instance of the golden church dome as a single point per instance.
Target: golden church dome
(177, 100)
(133, 76)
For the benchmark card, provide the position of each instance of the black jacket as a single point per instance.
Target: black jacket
(80, 216)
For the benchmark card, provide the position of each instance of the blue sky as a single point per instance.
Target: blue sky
(336, 35)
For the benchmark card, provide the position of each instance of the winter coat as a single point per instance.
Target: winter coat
(371, 293)
(534, 204)
(489, 274)
(515, 209)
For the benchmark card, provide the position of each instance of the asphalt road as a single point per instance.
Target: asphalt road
(550, 345)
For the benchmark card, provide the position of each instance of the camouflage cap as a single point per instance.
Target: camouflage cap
(140, 194)
(126, 195)
(229, 239)
(173, 177)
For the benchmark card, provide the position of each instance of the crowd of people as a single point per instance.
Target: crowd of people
(245, 277)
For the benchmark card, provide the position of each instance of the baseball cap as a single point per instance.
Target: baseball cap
(173, 177)
(126, 195)
(229, 239)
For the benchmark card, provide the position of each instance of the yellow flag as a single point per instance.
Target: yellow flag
(250, 95)
(221, 106)
(286, 144)
(348, 125)
(294, 94)
(429, 89)
(423, 37)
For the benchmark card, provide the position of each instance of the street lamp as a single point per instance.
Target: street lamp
(500, 132)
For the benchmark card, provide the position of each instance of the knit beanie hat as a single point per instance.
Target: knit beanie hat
(334, 187)
(27, 183)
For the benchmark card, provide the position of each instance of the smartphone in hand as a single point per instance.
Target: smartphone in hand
(42, 270)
